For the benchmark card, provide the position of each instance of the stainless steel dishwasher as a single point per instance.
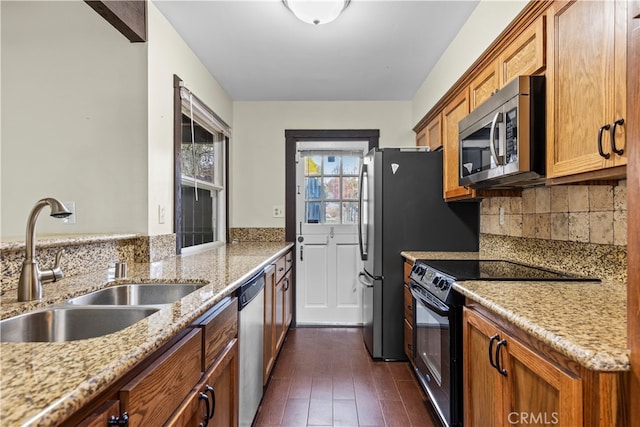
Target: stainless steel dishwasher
(250, 337)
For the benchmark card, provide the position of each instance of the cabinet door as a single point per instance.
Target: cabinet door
(223, 379)
(457, 109)
(586, 85)
(525, 55)
(431, 135)
(483, 397)
(279, 309)
(215, 399)
(159, 390)
(269, 353)
(538, 389)
(483, 86)
(408, 340)
(288, 300)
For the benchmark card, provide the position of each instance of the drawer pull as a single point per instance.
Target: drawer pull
(615, 149)
(122, 420)
(602, 153)
(212, 392)
(204, 397)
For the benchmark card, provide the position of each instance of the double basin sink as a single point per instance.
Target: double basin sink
(93, 315)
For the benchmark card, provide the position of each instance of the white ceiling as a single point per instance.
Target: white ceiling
(376, 50)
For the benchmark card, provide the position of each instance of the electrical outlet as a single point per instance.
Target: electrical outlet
(501, 210)
(160, 214)
(71, 207)
(278, 212)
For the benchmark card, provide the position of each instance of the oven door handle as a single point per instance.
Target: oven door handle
(444, 312)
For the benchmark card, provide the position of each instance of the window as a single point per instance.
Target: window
(201, 159)
(331, 185)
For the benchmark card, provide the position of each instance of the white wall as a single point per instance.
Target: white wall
(484, 25)
(169, 55)
(73, 119)
(258, 146)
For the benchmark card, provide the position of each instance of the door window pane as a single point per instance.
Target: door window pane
(350, 212)
(350, 165)
(332, 213)
(313, 188)
(331, 165)
(331, 187)
(312, 165)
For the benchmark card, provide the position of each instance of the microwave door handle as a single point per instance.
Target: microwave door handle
(492, 133)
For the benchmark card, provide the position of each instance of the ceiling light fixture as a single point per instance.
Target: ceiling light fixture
(316, 12)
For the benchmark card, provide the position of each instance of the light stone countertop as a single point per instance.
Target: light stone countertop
(44, 383)
(585, 321)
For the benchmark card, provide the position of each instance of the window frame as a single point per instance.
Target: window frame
(206, 118)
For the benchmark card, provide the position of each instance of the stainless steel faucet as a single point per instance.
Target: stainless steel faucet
(31, 277)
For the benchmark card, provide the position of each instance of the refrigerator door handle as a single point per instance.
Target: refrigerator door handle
(362, 277)
(363, 252)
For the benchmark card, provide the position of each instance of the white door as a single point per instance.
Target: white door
(327, 255)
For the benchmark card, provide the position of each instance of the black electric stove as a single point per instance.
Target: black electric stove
(437, 323)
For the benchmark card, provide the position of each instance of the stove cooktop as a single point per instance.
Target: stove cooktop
(497, 270)
(437, 276)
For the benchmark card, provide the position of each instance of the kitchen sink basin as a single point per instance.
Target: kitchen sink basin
(57, 324)
(136, 294)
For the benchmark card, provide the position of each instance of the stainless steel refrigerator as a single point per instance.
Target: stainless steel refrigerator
(402, 208)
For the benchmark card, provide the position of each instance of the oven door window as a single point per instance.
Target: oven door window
(432, 342)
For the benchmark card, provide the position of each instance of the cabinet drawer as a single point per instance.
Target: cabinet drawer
(408, 340)
(408, 305)
(281, 268)
(111, 408)
(154, 394)
(218, 330)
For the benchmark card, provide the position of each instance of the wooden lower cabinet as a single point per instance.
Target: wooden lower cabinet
(269, 338)
(278, 313)
(214, 401)
(169, 388)
(154, 395)
(512, 379)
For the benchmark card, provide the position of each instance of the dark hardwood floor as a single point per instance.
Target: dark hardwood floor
(325, 377)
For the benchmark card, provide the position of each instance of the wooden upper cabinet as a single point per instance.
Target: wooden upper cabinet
(586, 87)
(456, 110)
(484, 85)
(525, 55)
(431, 135)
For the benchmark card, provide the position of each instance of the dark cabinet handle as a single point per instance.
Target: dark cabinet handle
(204, 397)
(493, 338)
(122, 420)
(286, 287)
(502, 343)
(281, 269)
(212, 392)
(410, 307)
(602, 153)
(619, 152)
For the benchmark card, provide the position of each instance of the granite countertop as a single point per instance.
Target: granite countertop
(44, 383)
(585, 321)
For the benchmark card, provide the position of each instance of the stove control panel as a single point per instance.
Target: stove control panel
(439, 284)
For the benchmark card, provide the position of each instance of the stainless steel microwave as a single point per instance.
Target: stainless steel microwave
(502, 141)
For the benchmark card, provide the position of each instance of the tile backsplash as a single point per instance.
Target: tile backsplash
(575, 213)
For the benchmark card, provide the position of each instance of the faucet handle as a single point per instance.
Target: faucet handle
(58, 258)
(55, 273)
